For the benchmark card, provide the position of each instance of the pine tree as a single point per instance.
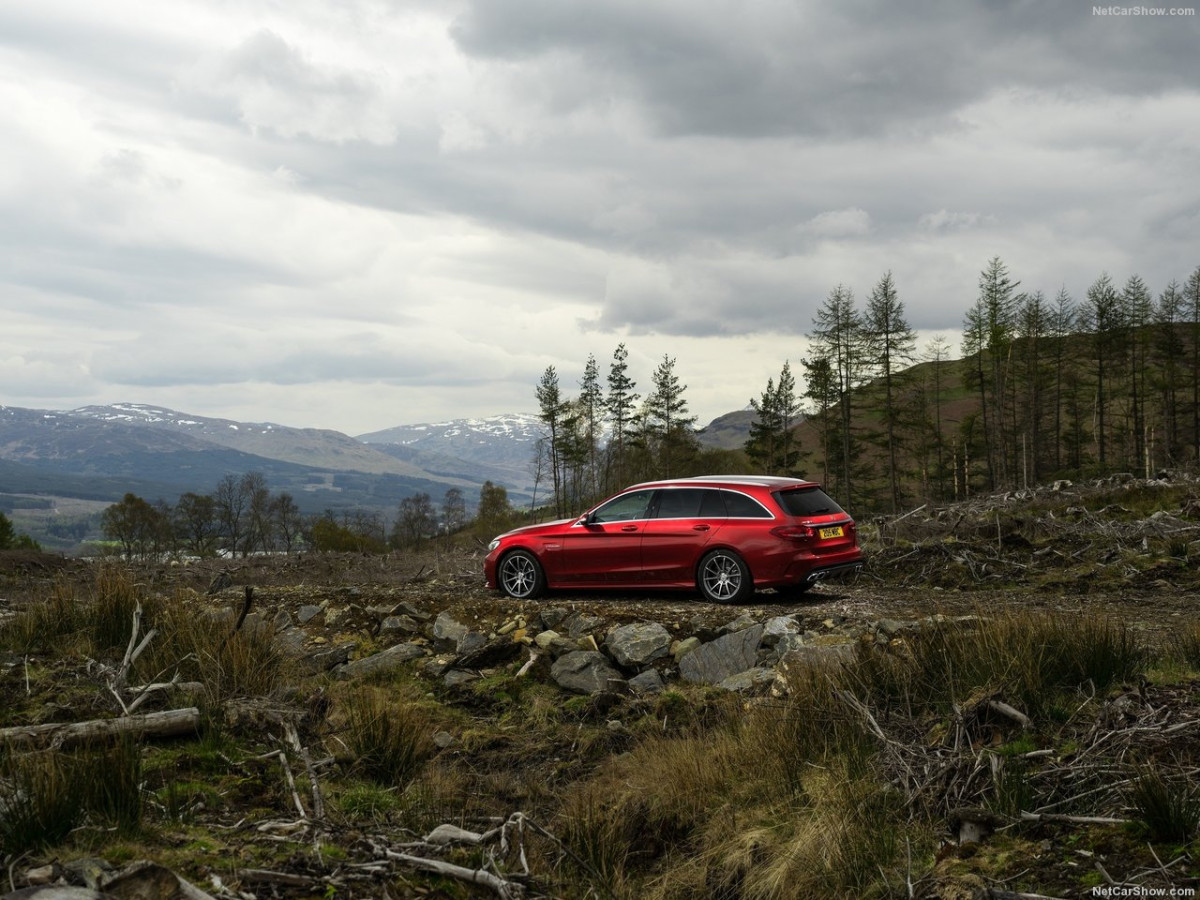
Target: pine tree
(838, 337)
(890, 342)
(987, 336)
(1169, 354)
(591, 412)
(1101, 315)
(550, 412)
(1191, 296)
(772, 443)
(822, 390)
(620, 404)
(669, 422)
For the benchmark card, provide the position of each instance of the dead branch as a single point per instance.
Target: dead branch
(169, 723)
(293, 740)
(503, 888)
(1071, 820)
(1011, 713)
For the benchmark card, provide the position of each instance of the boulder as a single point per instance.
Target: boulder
(447, 628)
(385, 661)
(329, 658)
(392, 625)
(776, 628)
(586, 672)
(751, 678)
(648, 682)
(554, 643)
(636, 645)
(490, 653)
(577, 625)
(680, 649)
(730, 654)
(308, 612)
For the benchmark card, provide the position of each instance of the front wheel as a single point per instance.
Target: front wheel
(521, 575)
(723, 577)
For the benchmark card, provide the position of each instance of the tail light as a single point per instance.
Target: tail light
(794, 532)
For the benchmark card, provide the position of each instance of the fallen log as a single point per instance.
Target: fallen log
(169, 723)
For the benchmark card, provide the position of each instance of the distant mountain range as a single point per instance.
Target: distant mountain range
(99, 453)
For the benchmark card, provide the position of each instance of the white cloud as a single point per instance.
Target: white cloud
(360, 214)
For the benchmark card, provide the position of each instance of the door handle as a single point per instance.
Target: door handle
(700, 528)
(629, 528)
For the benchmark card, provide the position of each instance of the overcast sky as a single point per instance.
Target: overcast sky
(365, 213)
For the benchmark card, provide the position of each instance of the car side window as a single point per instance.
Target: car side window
(741, 506)
(679, 503)
(625, 508)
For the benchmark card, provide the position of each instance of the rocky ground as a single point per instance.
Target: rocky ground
(598, 667)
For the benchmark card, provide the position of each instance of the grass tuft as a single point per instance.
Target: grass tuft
(389, 736)
(1169, 810)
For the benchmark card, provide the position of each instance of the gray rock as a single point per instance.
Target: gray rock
(702, 630)
(283, 620)
(488, 654)
(447, 628)
(385, 661)
(577, 625)
(471, 640)
(819, 656)
(393, 625)
(308, 612)
(458, 677)
(586, 672)
(890, 627)
(330, 658)
(789, 642)
(751, 678)
(636, 645)
(648, 682)
(680, 649)
(777, 628)
(552, 618)
(554, 643)
(411, 609)
(715, 661)
(291, 641)
(741, 623)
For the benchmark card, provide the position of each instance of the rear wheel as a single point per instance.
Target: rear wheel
(723, 577)
(521, 575)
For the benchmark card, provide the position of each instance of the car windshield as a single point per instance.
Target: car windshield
(807, 502)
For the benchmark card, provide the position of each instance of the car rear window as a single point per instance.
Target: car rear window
(807, 502)
(741, 506)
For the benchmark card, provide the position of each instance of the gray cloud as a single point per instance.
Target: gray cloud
(431, 202)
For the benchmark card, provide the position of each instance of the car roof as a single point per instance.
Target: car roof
(767, 481)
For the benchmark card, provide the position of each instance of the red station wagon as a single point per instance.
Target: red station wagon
(722, 535)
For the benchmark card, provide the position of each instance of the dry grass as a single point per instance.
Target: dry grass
(389, 735)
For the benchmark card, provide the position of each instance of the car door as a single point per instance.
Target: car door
(604, 548)
(685, 521)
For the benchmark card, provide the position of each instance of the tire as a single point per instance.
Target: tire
(723, 577)
(520, 575)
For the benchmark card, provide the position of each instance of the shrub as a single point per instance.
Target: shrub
(1170, 811)
(389, 737)
(46, 795)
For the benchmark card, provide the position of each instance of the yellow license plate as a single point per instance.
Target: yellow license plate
(835, 532)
